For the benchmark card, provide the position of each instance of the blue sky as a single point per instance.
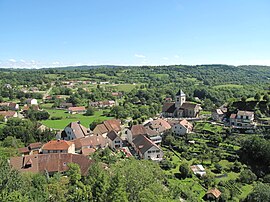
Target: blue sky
(39, 33)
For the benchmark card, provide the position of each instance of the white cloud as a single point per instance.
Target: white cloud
(56, 63)
(12, 60)
(165, 58)
(23, 61)
(139, 56)
(176, 56)
(259, 62)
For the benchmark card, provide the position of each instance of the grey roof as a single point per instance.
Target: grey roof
(143, 144)
(78, 129)
(112, 135)
(168, 107)
(180, 93)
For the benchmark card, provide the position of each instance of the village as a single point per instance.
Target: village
(179, 119)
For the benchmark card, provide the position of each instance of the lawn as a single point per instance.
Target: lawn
(203, 126)
(67, 118)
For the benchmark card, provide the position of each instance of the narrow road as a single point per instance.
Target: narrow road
(48, 91)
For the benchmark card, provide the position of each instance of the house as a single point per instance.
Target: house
(180, 108)
(242, 119)
(50, 163)
(147, 149)
(8, 114)
(198, 170)
(219, 114)
(101, 129)
(31, 101)
(180, 128)
(33, 148)
(159, 125)
(93, 142)
(135, 131)
(58, 146)
(74, 130)
(102, 104)
(117, 94)
(65, 105)
(10, 105)
(114, 141)
(76, 110)
(213, 194)
(153, 135)
(30, 107)
(107, 126)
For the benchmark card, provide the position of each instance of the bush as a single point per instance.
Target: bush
(56, 118)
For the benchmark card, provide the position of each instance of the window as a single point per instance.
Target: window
(149, 152)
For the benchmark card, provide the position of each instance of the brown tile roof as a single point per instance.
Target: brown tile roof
(57, 145)
(8, 114)
(138, 130)
(112, 135)
(4, 104)
(75, 109)
(41, 163)
(100, 129)
(78, 129)
(189, 105)
(12, 105)
(150, 132)
(93, 141)
(35, 145)
(215, 192)
(233, 116)
(168, 107)
(143, 144)
(159, 124)
(88, 151)
(113, 124)
(186, 124)
(23, 150)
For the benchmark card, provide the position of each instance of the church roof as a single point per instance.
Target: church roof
(180, 93)
(168, 107)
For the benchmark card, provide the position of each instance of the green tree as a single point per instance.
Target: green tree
(184, 170)
(117, 190)
(261, 193)
(247, 176)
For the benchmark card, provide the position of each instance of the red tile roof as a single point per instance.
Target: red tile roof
(113, 124)
(57, 162)
(215, 192)
(76, 109)
(57, 145)
(8, 114)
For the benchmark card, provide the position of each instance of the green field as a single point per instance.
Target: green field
(228, 86)
(67, 118)
(160, 76)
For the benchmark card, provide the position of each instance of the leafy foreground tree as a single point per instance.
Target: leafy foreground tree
(261, 193)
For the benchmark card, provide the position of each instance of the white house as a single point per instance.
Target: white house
(114, 141)
(74, 130)
(198, 170)
(242, 119)
(31, 101)
(181, 127)
(147, 149)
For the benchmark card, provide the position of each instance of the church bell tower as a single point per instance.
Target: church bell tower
(180, 99)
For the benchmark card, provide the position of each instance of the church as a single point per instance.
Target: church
(180, 108)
